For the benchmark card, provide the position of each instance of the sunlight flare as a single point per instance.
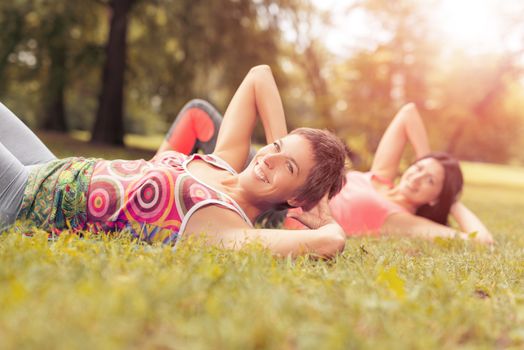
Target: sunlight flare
(470, 24)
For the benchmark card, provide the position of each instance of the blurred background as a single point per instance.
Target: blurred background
(107, 71)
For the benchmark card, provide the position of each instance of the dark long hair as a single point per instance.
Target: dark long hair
(451, 188)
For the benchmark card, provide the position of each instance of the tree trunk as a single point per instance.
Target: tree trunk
(54, 111)
(109, 124)
(54, 117)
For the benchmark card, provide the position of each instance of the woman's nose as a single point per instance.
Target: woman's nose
(271, 160)
(418, 176)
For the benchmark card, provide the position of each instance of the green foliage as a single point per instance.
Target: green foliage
(178, 50)
(113, 292)
(471, 101)
(201, 49)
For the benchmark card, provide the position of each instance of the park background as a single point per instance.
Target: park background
(90, 76)
(113, 68)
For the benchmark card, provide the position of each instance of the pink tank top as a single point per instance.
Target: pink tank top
(358, 207)
(152, 199)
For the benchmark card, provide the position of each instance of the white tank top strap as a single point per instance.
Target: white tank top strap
(229, 202)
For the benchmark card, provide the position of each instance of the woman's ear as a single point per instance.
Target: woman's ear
(293, 202)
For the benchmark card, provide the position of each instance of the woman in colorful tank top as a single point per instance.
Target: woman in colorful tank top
(175, 195)
(370, 203)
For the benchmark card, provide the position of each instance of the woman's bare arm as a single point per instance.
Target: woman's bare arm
(469, 222)
(224, 228)
(406, 126)
(257, 95)
(405, 224)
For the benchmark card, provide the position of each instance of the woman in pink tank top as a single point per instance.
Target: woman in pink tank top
(418, 205)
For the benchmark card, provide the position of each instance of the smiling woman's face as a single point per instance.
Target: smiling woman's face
(278, 170)
(422, 182)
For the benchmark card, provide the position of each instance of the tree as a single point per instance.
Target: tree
(43, 50)
(109, 124)
(54, 116)
(305, 49)
(12, 34)
(195, 45)
(203, 49)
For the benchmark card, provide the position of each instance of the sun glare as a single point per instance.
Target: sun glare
(476, 26)
(470, 24)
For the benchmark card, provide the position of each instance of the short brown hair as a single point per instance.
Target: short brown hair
(329, 174)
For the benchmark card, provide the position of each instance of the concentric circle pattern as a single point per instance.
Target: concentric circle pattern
(151, 198)
(105, 197)
(127, 169)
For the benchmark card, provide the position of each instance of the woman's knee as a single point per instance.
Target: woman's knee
(205, 106)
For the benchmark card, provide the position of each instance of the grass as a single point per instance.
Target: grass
(95, 292)
(493, 175)
(62, 145)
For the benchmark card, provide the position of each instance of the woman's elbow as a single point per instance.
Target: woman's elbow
(261, 73)
(485, 237)
(261, 69)
(410, 106)
(332, 244)
(339, 244)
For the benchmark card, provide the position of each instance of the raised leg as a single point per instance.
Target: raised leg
(20, 141)
(195, 129)
(13, 179)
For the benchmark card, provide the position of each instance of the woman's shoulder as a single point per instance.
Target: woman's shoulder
(354, 175)
(380, 180)
(359, 179)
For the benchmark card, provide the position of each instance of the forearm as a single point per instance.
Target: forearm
(467, 220)
(256, 95)
(268, 103)
(406, 126)
(324, 242)
(416, 229)
(415, 226)
(415, 130)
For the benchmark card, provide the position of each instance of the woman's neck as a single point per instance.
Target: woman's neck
(250, 206)
(394, 195)
(227, 183)
(398, 198)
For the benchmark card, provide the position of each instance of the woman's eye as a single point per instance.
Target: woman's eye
(290, 168)
(277, 146)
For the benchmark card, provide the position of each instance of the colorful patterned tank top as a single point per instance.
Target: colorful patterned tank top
(153, 199)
